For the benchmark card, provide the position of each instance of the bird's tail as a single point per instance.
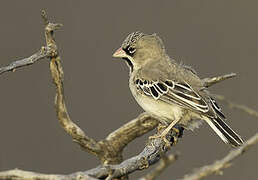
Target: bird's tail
(225, 132)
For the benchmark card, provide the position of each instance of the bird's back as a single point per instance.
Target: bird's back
(167, 69)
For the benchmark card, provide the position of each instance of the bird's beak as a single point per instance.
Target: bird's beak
(120, 53)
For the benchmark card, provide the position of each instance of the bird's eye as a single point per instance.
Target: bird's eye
(131, 50)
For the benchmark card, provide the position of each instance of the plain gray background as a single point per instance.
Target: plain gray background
(214, 37)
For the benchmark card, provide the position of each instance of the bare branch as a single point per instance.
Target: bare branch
(218, 166)
(42, 53)
(163, 164)
(68, 125)
(51, 51)
(131, 130)
(149, 156)
(28, 175)
(100, 172)
(214, 80)
(237, 106)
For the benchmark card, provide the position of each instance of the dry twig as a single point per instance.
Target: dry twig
(68, 125)
(41, 54)
(214, 80)
(17, 174)
(234, 105)
(218, 166)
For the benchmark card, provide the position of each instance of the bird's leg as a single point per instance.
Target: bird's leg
(166, 131)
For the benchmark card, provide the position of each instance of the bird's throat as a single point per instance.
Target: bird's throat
(129, 63)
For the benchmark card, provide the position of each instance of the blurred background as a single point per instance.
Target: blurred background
(214, 37)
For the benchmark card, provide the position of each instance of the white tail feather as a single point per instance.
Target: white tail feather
(218, 132)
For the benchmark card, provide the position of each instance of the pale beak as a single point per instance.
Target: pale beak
(120, 53)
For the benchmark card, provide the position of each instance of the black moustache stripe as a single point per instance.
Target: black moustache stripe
(129, 63)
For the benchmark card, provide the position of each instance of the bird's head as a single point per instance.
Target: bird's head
(139, 48)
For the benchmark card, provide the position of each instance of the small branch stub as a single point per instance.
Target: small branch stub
(214, 80)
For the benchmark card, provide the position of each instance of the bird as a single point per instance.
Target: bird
(169, 90)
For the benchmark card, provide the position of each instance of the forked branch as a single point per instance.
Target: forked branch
(68, 125)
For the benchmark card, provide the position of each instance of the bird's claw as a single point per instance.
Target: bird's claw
(161, 136)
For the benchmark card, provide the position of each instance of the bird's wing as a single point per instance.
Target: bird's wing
(180, 93)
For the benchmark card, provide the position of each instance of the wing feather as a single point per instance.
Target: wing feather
(173, 92)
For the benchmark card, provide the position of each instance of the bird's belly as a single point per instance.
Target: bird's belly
(167, 113)
(164, 111)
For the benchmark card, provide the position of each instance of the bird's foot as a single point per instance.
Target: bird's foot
(161, 136)
(173, 140)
